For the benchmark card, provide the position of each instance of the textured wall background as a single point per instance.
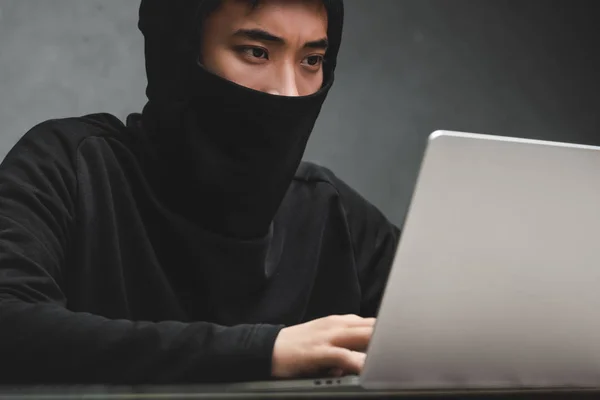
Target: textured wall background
(527, 68)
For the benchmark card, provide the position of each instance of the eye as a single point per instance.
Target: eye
(254, 52)
(313, 61)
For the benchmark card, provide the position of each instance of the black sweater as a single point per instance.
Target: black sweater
(101, 281)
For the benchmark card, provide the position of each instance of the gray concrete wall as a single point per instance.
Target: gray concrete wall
(522, 67)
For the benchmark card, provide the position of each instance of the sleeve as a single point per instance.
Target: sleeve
(374, 240)
(43, 342)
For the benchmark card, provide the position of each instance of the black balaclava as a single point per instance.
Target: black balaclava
(221, 155)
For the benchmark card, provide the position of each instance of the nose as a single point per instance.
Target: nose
(285, 83)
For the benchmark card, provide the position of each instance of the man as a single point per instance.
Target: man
(191, 244)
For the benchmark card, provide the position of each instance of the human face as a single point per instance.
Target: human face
(277, 47)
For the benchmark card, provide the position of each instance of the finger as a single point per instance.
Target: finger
(363, 322)
(336, 358)
(354, 338)
(352, 320)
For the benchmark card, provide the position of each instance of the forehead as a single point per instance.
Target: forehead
(284, 18)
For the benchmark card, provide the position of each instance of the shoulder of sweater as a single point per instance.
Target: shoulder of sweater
(68, 133)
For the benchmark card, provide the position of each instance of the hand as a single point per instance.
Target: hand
(333, 345)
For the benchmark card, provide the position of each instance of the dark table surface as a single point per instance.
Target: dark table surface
(198, 392)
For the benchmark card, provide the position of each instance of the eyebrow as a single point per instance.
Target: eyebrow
(264, 36)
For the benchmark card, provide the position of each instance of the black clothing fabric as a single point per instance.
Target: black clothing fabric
(167, 250)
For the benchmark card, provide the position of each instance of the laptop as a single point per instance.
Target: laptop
(495, 285)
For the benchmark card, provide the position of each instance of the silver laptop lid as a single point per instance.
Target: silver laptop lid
(496, 281)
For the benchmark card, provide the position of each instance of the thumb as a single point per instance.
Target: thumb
(336, 372)
(338, 358)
